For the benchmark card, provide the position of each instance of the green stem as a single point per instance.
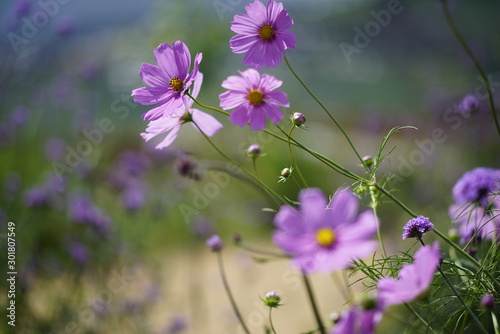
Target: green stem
(207, 106)
(455, 292)
(326, 110)
(477, 64)
(250, 248)
(495, 322)
(260, 183)
(271, 321)
(314, 306)
(229, 294)
(427, 325)
(379, 235)
(293, 158)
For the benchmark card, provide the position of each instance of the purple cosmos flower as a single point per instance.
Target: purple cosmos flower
(322, 239)
(208, 124)
(414, 279)
(475, 222)
(168, 81)
(477, 185)
(358, 321)
(262, 33)
(416, 227)
(254, 98)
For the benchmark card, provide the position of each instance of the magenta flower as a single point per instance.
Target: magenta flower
(414, 279)
(262, 33)
(322, 240)
(358, 321)
(254, 98)
(184, 114)
(168, 81)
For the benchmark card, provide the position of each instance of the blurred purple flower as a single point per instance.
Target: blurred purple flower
(90, 70)
(322, 239)
(177, 324)
(168, 81)
(79, 252)
(134, 195)
(13, 183)
(133, 163)
(55, 149)
(469, 104)
(475, 222)
(82, 119)
(83, 211)
(19, 116)
(416, 227)
(358, 321)
(478, 185)
(66, 26)
(36, 197)
(6, 133)
(414, 279)
(262, 34)
(253, 98)
(488, 302)
(215, 243)
(202, 227)
(200, 120)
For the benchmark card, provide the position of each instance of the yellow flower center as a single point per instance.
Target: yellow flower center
(176, 84)
(325, 237)
(255, 97)
(266, 32)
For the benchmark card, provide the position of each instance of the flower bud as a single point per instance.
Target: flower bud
(215, 243)
(298, 119)
(334, 317)
(368, 161)
(237, 238)
(285, 172)
(272, 299)
(487, 302)
(253, 151)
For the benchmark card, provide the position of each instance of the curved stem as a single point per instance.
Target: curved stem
(229, 294)
(477, 64)
(260, 183)
(293, 158)
(326, 110)
(208, 107)
(427, 325)
(310, 293)
(271, 321)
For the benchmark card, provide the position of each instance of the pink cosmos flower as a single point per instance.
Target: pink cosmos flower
(262, 33)
(184, 114)
(414, 279)
(358, 321)
(254, 98)
(168, 81)
(322, 240)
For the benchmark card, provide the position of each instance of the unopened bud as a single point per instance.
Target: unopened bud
(368, 161)
(298, 119)
(215, 243)
(285, 172)
(253, 151)
(272, 299)
(488, 302)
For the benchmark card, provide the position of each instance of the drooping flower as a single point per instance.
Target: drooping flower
(168, 81)
(200, 120)
(262, 33)
(416, 227)
(321, 238)
(414, 279)
(254, 98)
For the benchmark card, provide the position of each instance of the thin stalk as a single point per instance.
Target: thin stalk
(314, 306)
(477, 64)
(455, 292)
(229, 294)
(293, 158)
(427, 325)
(326, 110)
(495, 322)
(271, 321)
(208, 107)
(250, 248)
(379, 235)
(264, 186)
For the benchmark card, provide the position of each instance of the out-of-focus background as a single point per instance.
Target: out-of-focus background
(111, 238)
